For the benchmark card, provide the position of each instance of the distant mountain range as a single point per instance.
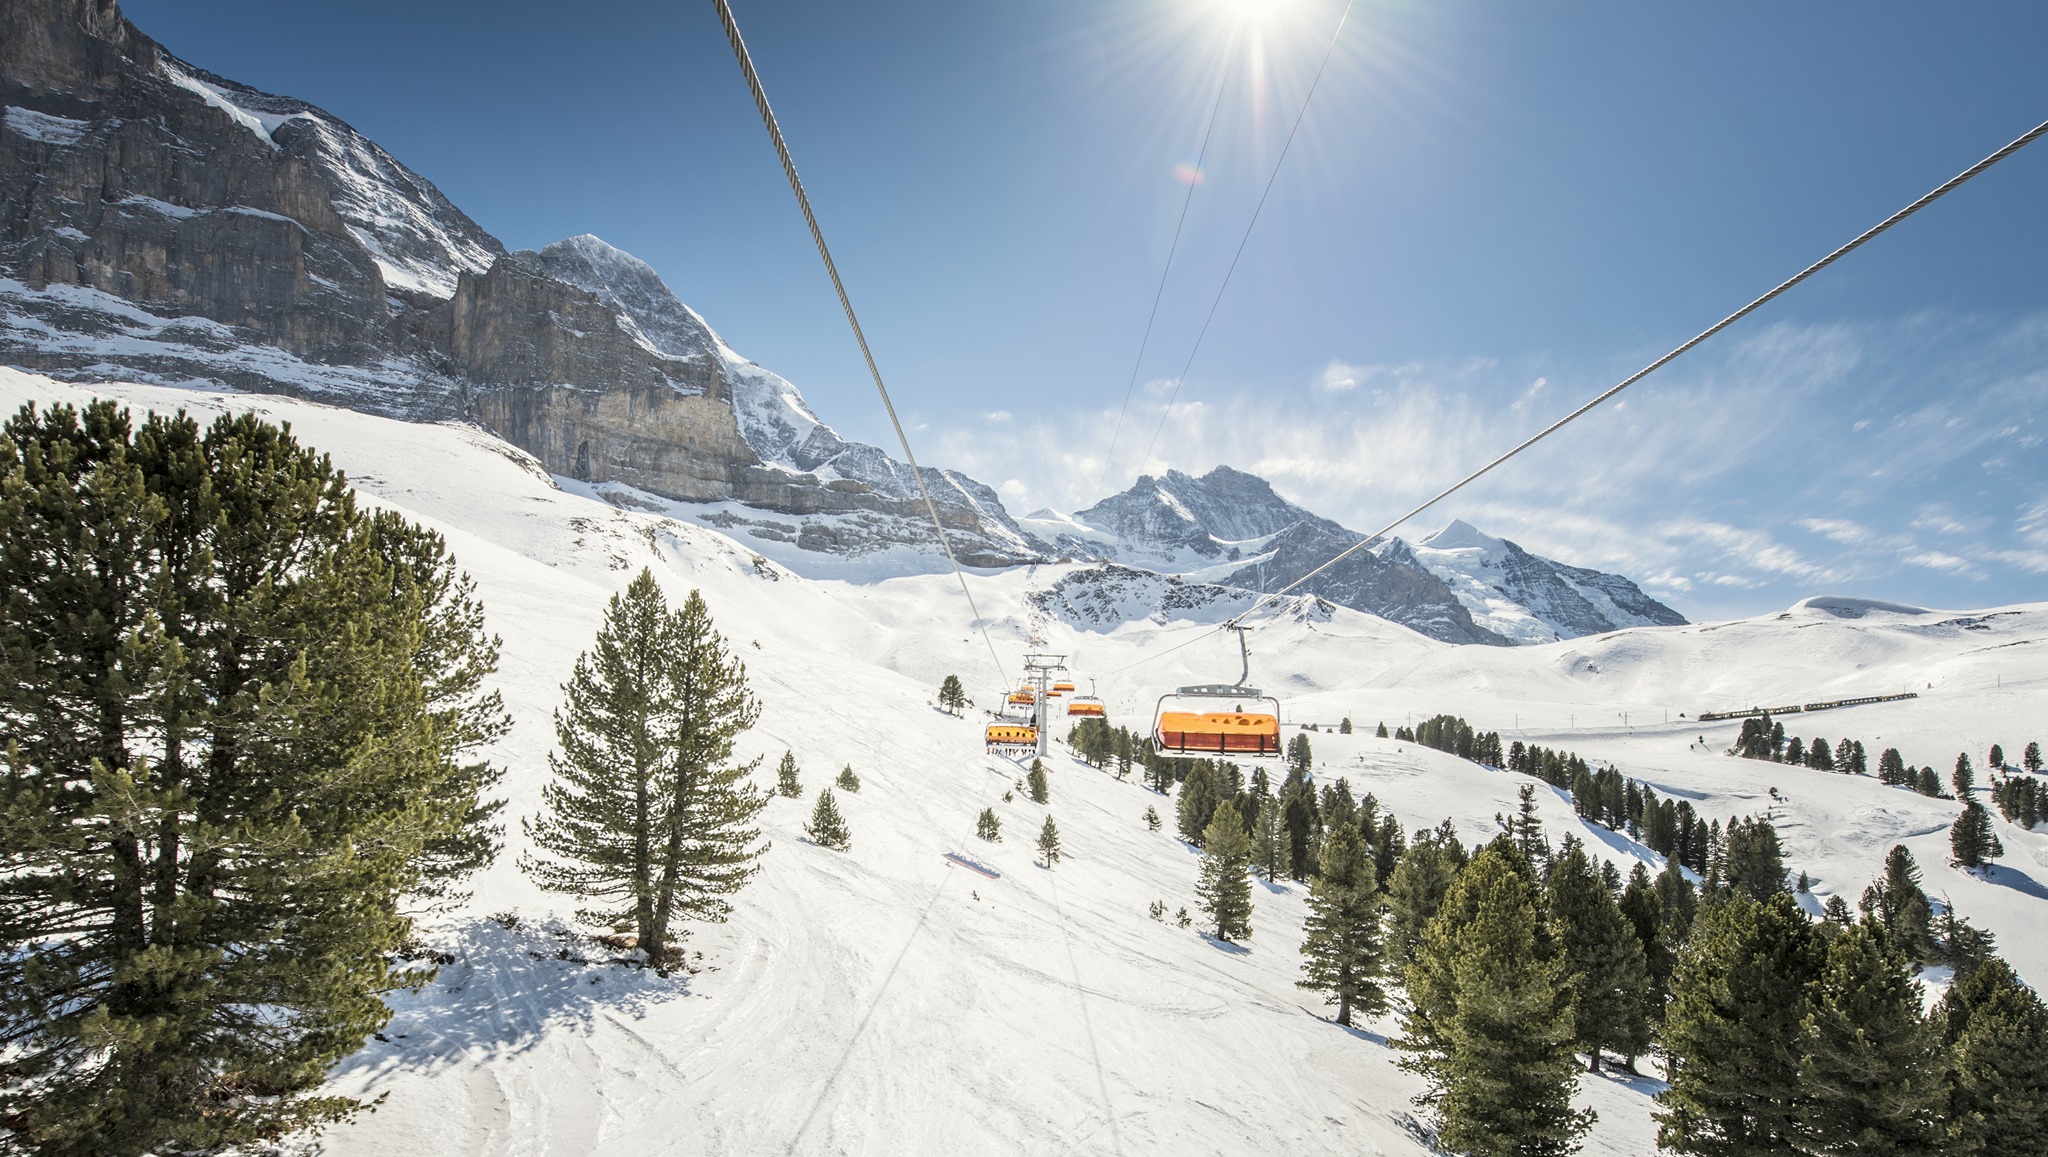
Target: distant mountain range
(169, 225)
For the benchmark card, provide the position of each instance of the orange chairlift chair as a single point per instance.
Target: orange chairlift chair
(1203, 726)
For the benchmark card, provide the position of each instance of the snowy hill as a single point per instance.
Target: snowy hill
(882, 1002)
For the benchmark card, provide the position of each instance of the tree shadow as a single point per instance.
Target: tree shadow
(2015, 879)
(504, 989)
(1235, 949)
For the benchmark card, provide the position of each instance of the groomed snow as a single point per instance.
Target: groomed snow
(882, 1002)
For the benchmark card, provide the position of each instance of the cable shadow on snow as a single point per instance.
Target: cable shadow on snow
(504, 990)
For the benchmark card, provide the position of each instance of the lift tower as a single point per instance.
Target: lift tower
(1038, 672)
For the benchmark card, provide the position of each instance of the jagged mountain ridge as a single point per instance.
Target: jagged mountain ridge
(1459, 586)
(166, 224)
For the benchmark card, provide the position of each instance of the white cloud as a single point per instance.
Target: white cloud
(1838, 529)
(998, 415)
(1938, 560)
(1337, 377)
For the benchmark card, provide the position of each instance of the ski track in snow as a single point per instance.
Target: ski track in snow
(883, 1002)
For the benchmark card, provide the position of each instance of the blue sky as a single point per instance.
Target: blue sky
(1493, 211)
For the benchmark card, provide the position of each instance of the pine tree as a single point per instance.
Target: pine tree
(1964, 777)
(1735, 1027)
(1996, 1030)
(646, 817)
(1603, 960)
(1298, 811)
(238, 721)
(1997, 757)
(1225, 887)
(1754, 861)
(1871, 1076)
(1035, 783)
(786, 782)
(2031, 758)
(1927, 783)
(988, 827)
(1344, 728)
(1381, 731)
(1152, 821)
(1891, 767)
(827, 828)
(1525, 827)
(1197, 803)
(1049, 843)
(847, 780)
(1490, 1019)
(1417, 886)
(1644, 911)
(952, 696)
(1269, 839)
(1899, 906)
(1972, 842)
(1345, 949)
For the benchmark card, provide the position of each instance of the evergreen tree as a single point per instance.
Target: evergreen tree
(1644, 912)
(1754, 861)
(988, 826)
(1225, 887)
(1269, 839)
(1049, 843)
(1124, 752)
(1972, 842)
(1344, 728)
(1735, 1028)
(1964, 777)
(238, 725)
(786, 782)
(646, 817)
(1891, 767)
(1152, 822)
(1678, 905)
(1603, 961)
(1035, 783)
(1381, 731)
(952, 696)
(1996, 1030)
(2031, 758)
(1927, 783)
(1299, 757)
(1298, 811)
(1997, 757)
(1899, 906)
(1820, 756)
(827, 828)
(1525, 828)
(848, 781)
(1417, 886)
(1489, 1025)
(1197, 803)
(1795, 750)
(1871, 1074)
(1345, 949)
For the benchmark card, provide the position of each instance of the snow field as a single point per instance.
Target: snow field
(882, 1001)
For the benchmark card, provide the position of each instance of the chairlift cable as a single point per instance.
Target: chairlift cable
(1935, 194)
(796, 185)
(1131, 389)
(1246, 239)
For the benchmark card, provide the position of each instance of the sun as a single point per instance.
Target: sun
(1250, 11)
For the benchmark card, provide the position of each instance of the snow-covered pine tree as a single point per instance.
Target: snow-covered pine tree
(827, 828)
(786, 781)
(1972, 842)
(1344, 952)
(647, 818)
(1225, 886)
(1489, 1025)
(847, 780)
(1871, 1074)
(238, 724)
(1035, 783)
(952, 696)
(1049, 843)
(1735, 1026)
(1603, 960)
(988, 826)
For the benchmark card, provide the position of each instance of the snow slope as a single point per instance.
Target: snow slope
(883, 1002)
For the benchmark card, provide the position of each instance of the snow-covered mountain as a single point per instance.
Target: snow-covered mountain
(1459, 586)
(881, 1001)
(1526, 598)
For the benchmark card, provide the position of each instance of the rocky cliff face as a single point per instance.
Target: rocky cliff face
(160, 222)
